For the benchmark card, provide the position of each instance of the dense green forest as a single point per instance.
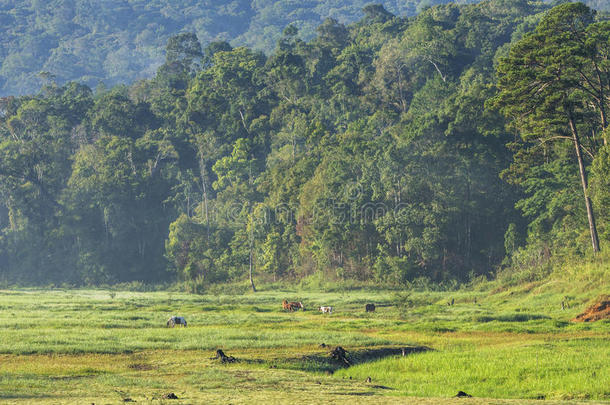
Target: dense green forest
(438, 147)
(120, 41)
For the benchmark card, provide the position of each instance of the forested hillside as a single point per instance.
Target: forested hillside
(439, 147)
(120, 41)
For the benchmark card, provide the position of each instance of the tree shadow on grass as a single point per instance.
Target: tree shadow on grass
(516, 317)
(323, 362)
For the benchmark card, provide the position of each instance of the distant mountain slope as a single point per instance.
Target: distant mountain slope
(119, 41)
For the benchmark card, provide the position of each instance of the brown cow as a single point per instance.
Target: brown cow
(292, 306)
(370, 307)
(297, 305)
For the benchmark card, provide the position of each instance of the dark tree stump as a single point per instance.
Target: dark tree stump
(340, 355)
(223, 357)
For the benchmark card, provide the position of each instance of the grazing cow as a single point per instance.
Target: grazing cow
(326, 310)
(370, 307)
(292, 306)
(176, 320)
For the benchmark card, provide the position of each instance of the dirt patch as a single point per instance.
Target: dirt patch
(140, 366)
(596, 312)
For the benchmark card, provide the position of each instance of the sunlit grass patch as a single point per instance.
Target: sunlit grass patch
(553, 369)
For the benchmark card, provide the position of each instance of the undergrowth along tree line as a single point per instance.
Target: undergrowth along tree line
(439, 146)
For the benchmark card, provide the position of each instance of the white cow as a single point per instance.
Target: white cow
(176, 320)
(326, 310)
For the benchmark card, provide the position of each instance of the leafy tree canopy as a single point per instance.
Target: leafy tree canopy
(117, 41)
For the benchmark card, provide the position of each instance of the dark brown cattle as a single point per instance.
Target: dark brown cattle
(370, 307)
(292, 306)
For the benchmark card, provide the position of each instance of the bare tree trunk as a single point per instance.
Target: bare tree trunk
(583, 180)
(205, 193)
(468, 221)
(250, 273)
(604, 125)
(205, 206)
(251, 183)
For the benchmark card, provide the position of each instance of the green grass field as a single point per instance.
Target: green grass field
(514, 345)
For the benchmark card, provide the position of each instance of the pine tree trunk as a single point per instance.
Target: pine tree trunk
(604, 125)
(583, 180)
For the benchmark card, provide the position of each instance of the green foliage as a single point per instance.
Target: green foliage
(369, 154)
(119, 42)
(552, 88)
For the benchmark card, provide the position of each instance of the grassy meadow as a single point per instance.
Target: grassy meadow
(498, 344)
